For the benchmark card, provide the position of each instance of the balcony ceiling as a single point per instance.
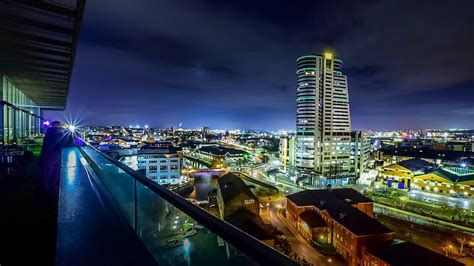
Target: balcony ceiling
(37, 47)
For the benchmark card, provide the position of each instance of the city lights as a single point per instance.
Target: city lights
(289, 133)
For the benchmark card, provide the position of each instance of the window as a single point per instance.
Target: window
(249, 201)
(163, 168)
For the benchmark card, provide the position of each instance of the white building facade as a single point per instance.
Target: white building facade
(160, 164)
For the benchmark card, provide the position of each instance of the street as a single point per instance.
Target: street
(299, 245)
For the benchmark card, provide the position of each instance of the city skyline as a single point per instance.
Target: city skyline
(214, 133)
(401, 76)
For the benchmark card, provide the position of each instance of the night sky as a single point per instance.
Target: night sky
(231, 64)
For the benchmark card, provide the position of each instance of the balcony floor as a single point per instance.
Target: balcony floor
(27, 219)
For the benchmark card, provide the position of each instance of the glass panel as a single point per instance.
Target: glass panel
(171, 236)
(118, 183)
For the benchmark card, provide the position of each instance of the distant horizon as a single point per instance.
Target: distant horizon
(268, 130)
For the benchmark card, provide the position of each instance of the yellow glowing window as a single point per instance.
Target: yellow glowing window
(328, 55)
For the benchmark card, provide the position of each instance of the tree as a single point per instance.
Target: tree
(462, 239)
(447, 247)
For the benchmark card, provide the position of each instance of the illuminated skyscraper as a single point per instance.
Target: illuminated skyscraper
(323, 119)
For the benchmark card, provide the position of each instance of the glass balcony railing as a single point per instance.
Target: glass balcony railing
(175, 231)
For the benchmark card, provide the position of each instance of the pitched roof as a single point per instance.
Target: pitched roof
(250, 223)
(453, 176)
(219, 150)
(401, 253)
(232, 186)
(309, 197)
(313, 219)
(413, 165)
(338, 203)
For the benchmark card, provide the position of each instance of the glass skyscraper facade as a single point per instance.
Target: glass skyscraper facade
(20, 116)
(323, 125)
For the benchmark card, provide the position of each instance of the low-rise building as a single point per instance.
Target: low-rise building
(400, 175)
(233, 194)
(418, 174)
(348, 216)
(214, 152)
(447, 180)
(402, 253)
(239, 206)
(161, 162)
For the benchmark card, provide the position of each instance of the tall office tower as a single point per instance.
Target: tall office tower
(323, 120)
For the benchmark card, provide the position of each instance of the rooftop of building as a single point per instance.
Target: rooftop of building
(313, 219)
(427, 153)
(309, 197)
(402, 253)
(221, 151)
(250, 223)
(159, 148)
(232, 186)
(414, 165)
(455, 174)
(338, 203)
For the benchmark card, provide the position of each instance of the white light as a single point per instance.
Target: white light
(463, 165)
(71, 128)
(186, 245)
(146, 126)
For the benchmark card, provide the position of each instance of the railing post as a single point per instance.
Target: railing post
(135, 206)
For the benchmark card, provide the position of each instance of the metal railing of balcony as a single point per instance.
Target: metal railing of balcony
(174, 230)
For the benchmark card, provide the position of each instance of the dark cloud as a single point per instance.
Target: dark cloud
(232, 63)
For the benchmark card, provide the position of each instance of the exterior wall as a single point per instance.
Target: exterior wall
(350, 246)
(323, 116)
(287, 152)
(311, 234)
(367, 208)
(160, 167)
(292, 217)
(346, 243)
(19, 115)
(433, 183)
(427, 182)
(243, 200)
(370, 260)
(362, 242)
(360, 153)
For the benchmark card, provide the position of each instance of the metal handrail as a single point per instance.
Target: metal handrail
(247, 244)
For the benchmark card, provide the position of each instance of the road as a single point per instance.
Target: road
(299, 245)
(464, 203)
